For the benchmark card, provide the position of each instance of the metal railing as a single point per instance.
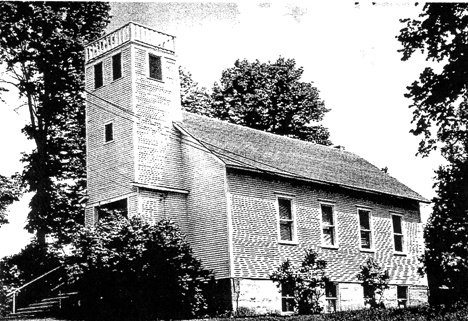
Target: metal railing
(15, 292)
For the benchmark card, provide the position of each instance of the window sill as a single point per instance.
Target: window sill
(400, 253)
(367, 250)
(109, 142)
(157, 80)
(330, 247)
(287, 242)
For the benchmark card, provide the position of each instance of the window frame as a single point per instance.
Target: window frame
(160, 66)
(334, 226)
(97, 210)
(114, 64)
(105, 132)
(404, 300)
(331, 298)
(101, 65)
(370, 230)
(285, 297)
(292, 220)
(402, 234)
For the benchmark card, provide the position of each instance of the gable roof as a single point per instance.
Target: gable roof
(246, 148)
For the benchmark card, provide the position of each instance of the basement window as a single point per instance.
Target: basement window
(330, 297)
(155, 68)
(98, 81)
(113, 209)
(402, 296)
(108, 132)
(116, 66)
(287, 298)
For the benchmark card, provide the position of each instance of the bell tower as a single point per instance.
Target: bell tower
(132, 98)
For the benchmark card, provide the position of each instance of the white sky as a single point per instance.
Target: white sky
(349, 51)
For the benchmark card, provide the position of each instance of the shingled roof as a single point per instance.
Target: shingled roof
(250, 149)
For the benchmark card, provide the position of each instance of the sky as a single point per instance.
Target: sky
(348, 50)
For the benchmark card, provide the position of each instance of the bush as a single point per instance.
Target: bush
(127, 268)
(374, 281)
(306, 282)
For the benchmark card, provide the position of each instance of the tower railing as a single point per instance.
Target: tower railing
(130, 32)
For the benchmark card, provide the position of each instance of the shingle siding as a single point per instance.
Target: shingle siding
(158, 152)
(110, 165)
(205, 178)
(256, 249)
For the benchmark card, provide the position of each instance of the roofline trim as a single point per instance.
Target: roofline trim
(300, 178)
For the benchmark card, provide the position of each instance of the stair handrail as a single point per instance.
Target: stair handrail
(30, 282)
(15, 291)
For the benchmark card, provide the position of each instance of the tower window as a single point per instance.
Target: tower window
(98, 82)
(108, 132)
(155, 69)
(117, 66)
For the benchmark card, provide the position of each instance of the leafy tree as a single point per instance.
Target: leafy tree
(124, 268)
(41, 49)
(306, 281)
(193, 99)
(439, 105)
(446, 255)
(10, 191)
(374, 281)
(264, 96)
(440, 114)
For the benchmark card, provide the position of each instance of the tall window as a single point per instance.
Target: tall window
(116, 66)
(108, 132)
(287, 298)
(286, 220)
(365, 228)
(328, 225)
(402, 296)
(98, 82)
(155, 69)
(397, 233)
(330, 297)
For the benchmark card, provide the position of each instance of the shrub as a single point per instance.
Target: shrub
(127, 268)
(374, 281)
(307, 282)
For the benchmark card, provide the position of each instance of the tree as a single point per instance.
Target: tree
(129, 268)
(446, 255)
(374, 281)
(439, 97)
(264, 96)
(10, 191)
(193, 99)
(305, 282)
(440, 114)
(41, 49)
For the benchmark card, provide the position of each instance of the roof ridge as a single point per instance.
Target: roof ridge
(243, 127)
